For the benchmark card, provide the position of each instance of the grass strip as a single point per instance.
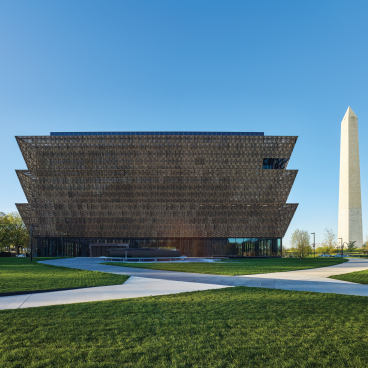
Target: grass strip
(19, 274)
(238, 267)
(359, 277)
(232, 327)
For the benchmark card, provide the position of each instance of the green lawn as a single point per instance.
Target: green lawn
(19, 274)
(360, 277)
(240, 266)
(233, 327)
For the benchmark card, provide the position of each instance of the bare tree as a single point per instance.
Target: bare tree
(329, 243)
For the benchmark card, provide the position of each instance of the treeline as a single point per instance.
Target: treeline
(13, 233)
(302, 244)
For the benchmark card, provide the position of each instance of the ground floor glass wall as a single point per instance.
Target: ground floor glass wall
(190, 247)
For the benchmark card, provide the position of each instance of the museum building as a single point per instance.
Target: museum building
(201, 193)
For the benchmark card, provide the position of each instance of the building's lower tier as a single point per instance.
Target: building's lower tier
(190, 247)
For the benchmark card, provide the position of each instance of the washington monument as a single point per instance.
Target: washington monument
(350, 203)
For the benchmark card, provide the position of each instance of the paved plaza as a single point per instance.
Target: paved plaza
(145, 282)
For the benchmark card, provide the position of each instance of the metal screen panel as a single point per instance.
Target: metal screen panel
(147, 186)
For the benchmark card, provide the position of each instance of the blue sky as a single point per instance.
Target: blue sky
(282, 67)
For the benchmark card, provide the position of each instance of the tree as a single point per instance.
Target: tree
(300, 240)
(13, 231)
(18, 233)
(329, 244)
(5, 226)
(283, 252)
(352, 245)
(321, 249)
(365, 246)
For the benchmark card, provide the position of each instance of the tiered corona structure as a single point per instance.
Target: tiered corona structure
(205, 194)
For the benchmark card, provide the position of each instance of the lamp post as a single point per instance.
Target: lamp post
(314, 243)
(32, 227)
(342, 247)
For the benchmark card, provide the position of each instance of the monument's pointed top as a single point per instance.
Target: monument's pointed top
(350, 113)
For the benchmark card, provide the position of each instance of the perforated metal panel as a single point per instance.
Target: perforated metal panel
(149, 186)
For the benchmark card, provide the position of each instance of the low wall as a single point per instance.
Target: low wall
(134, 253)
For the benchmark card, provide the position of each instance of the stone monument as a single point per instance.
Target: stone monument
(350, 204)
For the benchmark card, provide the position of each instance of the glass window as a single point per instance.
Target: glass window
(239, 246)
(279, 247)
(268, 163)
(275, 163)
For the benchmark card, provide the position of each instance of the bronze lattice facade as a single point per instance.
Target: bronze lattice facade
(204, 194)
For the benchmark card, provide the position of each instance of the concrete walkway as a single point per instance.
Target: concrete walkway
(353, 265)
(304, 280)
(145, 282)
(314, 279)
(134, 287)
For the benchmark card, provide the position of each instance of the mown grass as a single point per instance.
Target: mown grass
(238, 267)
(360, 277)
(19, 274)
(233, 327)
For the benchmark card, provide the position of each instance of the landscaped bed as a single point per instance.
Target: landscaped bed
(19, 274)
(239, 266)
(232, 327)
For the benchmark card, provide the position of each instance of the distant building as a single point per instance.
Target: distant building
(350, 226)
(203, 193)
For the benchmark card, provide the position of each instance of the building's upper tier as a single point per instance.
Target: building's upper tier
(140, 152)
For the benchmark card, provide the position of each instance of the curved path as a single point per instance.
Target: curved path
(314, 279)
(145, 282)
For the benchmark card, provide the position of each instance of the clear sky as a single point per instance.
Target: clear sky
(282, 67)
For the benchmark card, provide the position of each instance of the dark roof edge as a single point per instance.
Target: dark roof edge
(155, 133)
